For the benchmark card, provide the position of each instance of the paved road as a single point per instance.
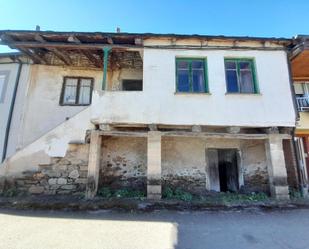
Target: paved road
(156, 230)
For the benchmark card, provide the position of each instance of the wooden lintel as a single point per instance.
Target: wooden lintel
(94, 60)
(192, 134)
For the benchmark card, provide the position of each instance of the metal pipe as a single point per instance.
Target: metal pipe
(9, 122)
(105, 65)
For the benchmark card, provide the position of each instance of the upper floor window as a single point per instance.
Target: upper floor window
(76, 91)
(191, 75)
(240, 76)
(132, 85)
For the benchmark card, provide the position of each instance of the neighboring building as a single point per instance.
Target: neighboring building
(203, 113)
(13, 79)
(300, 73)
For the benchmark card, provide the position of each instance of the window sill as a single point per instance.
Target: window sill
(244, 94)
(189, 93)
(73, 105)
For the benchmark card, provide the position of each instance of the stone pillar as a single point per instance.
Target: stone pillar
(93, 164)
(276, 167)
(154, 188)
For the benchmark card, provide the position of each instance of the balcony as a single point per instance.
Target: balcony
(302, 104)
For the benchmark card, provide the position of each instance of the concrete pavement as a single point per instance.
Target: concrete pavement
(155, 230)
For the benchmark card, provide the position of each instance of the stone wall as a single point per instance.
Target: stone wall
(123, 163)
(183, 163)
(254, 166)
(67, 175)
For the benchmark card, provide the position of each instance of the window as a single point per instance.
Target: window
(240, 76)
(132, 85)
(76, 91)
(191, 75)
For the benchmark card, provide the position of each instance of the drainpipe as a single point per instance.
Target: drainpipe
(8, 125)
(106, 51)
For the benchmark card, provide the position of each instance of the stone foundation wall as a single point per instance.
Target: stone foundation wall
(67, 175)
(123, 163)
(254, 165)
(183, 163)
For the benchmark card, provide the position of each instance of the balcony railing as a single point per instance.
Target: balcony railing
(303, 103)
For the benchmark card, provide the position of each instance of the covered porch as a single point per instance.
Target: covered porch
(196, 158)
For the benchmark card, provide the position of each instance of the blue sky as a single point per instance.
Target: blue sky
(269, 18)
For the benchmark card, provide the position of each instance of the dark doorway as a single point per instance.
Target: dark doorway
(228, 170)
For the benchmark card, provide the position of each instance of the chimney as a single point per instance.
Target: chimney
(118, 30)
(37, 28)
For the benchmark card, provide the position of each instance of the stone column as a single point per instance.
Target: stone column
(154, 188)
(93, 164)
(276, 167)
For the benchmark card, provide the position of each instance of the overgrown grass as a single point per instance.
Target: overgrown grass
(11, 192)
(295, 194)
(178, 194)
(106, 192)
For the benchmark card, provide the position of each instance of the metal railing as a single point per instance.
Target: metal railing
(302, 103)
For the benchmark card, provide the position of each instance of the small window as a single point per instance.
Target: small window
(132, 85)
(191, 75)
(76, 91)
(240, 76)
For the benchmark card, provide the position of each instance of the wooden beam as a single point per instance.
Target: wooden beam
(36, 58)
(192, 134)
(60, 54)
(94, 60)
(74, 39)
(47, 45)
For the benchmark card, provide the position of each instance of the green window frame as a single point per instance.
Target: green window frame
(190, 70)
(238, 70)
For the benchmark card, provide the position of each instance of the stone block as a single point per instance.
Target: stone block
(74, 174)
(68, 187)
(81, 181)
(62, 181)
(52, 181)
(38, 176)
(36, 189)
(54, 187)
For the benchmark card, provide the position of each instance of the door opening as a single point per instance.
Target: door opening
(223, 170)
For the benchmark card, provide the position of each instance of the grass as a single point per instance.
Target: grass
(106, 192)
(178, 194)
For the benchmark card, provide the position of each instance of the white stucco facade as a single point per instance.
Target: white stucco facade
(46, 128)
(159, 103)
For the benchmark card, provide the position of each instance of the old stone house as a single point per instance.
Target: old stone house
(146, 111)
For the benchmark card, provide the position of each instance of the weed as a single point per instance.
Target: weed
(178, 194)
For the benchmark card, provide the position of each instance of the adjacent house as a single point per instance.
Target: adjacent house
(150, 111)
(300, 73)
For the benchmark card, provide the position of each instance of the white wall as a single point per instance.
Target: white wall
(42, 111)
(11, 70)
(159, 104)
